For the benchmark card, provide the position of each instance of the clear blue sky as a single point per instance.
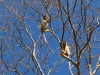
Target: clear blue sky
(55, 57)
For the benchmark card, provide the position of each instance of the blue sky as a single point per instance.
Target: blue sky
(53, 46)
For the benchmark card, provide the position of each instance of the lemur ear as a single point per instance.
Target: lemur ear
(70, 47)
(44, 17)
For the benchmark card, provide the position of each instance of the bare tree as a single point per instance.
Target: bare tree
(23, 51)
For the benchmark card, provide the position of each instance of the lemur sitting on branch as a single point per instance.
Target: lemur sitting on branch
(65, 49)
(43, 26)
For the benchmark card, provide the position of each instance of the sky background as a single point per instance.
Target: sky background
(8, 19)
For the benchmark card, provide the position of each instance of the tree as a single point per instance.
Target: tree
(23, 50)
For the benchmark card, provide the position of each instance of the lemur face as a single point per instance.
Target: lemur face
(45, 17)
(64, 44)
